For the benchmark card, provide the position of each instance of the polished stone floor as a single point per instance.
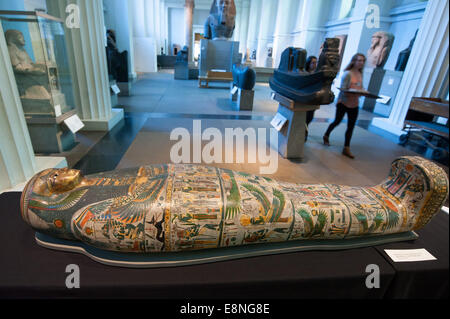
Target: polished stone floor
(160, 104)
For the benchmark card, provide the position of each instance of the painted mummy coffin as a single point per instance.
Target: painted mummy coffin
(178, 207)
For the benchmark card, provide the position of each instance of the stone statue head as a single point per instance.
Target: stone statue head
(329, 57)
(221, 19)
(14, 37)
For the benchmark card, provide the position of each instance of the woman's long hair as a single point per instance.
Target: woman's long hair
(353, 61)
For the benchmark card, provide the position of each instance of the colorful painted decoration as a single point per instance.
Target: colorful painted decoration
(177, 207)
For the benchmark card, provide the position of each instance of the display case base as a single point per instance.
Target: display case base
(168, 259)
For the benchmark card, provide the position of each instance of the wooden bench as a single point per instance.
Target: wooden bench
(214, 76)
(421, 117)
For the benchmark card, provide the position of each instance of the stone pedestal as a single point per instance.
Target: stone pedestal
(389, 87)
(372, 79)
(291, 136)
(218, 54)
(50, 134)
(244, 100)
(125, 88)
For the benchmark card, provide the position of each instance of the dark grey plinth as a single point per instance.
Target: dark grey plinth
(125, 88)
(372, 79)
(389, 87)
(244, 100)
(50, 134)
(185, 71)
(218, 54)
(291, 137)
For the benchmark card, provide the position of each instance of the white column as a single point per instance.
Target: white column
(87, 58)
(427, 66)
(145, 18)
(253, 25)
(188, 17)
(243, 28)
(286, 14)
(309, 32)
(266, 30)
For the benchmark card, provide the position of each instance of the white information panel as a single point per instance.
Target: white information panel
(74, 123)
(408, 255)
(278, 121)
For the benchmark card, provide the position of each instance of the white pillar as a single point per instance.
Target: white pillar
(253, 25)
(87, 58)
(243, 28)
(266, 30)
(309, 32)
(188, 17)
(145, 19)
(427, 66)
(285, 21)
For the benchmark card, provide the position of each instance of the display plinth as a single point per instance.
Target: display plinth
(243, 100)
(160, 260)
(291, 136)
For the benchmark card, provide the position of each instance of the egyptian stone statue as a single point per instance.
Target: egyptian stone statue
(179, 207)
(378, 52)
(31, 77)
(403, 56)
(117, 61)
(221, 20)
(291, 80)
(244, 77)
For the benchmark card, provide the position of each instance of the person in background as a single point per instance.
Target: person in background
(348, 102)
(310, 67)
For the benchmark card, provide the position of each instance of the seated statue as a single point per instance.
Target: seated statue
(292, 81)
(179, 207)
(117, 61)
(244, 77)
(221, 20)
(183, 55)
(32, 78)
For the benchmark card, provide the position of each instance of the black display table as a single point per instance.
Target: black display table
(30, 271)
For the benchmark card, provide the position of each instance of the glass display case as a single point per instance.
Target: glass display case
(37, 49)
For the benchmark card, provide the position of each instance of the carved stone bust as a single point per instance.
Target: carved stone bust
(221, 20)
(380, 48)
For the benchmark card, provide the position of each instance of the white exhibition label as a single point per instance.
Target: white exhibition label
(58, 110)
(407, 255)
(278, 121)
(218, 70)
(74, 123)
(384, 99)
(234, 89)
(390, 81)
(272, 95)
(115, 89)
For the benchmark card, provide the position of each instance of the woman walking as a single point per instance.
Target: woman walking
(348, 102)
